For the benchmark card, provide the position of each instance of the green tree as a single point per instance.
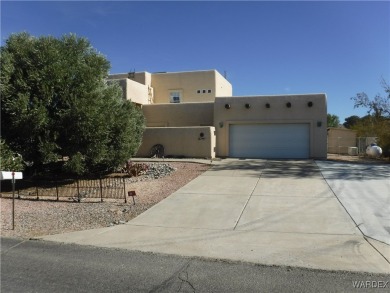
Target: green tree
(56, 103)
(351, 121)
(9, 160)
(333, 120)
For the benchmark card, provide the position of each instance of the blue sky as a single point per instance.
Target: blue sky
(337, 48)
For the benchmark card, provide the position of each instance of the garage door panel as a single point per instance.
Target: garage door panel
(269, 140)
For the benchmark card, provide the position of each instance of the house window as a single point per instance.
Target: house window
(198, 91)
(209, 91)
(175, 96)
(204, 91)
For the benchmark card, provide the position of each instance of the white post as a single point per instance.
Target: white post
(13, 200)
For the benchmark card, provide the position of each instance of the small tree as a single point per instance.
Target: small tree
(333, 120)
(56, 103)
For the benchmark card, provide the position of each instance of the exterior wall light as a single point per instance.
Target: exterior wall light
(310, 104)
(227, 106)
(288, 105)
(201, 136)
(267, 105)
(220, 124)
(247, 106)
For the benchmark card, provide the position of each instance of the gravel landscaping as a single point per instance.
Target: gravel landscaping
(45, 217)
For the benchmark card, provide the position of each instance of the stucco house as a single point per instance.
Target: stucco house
(194, 114)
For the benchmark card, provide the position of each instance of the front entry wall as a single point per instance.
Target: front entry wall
(190, 142)
(298, 120)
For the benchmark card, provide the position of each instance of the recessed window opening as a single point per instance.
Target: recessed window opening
(175, 96)
(204, 91)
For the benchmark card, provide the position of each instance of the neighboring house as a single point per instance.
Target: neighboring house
(194, 114)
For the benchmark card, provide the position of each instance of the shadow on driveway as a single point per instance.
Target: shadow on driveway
(353, 171)
(271, 168)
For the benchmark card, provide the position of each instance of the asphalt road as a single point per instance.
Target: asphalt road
(38, 266)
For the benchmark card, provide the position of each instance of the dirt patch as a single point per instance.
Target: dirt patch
(357, 159)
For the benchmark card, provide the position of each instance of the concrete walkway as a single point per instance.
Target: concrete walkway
(260, 211)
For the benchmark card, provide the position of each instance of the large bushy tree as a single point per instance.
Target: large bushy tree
(56, 103)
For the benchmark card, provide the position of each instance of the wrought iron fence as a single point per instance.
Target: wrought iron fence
(72, 189)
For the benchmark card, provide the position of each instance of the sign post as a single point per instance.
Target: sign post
(6, 175)
(13, 200)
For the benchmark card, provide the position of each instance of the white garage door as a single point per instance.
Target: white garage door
(290, 141)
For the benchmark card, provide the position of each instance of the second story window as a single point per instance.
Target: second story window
(175, 96)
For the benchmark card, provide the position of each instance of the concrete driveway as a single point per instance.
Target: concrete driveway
(261, 211)
(364, 191)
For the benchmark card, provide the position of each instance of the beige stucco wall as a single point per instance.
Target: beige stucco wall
(118, 76)
(143, 77)
(189, 83)
(223, 88)
(277, 113)
(159, 86)
(135, 91)
(180, 141)
(339, 139)
(177, 115)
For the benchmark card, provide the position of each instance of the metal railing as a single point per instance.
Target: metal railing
(72, 189)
